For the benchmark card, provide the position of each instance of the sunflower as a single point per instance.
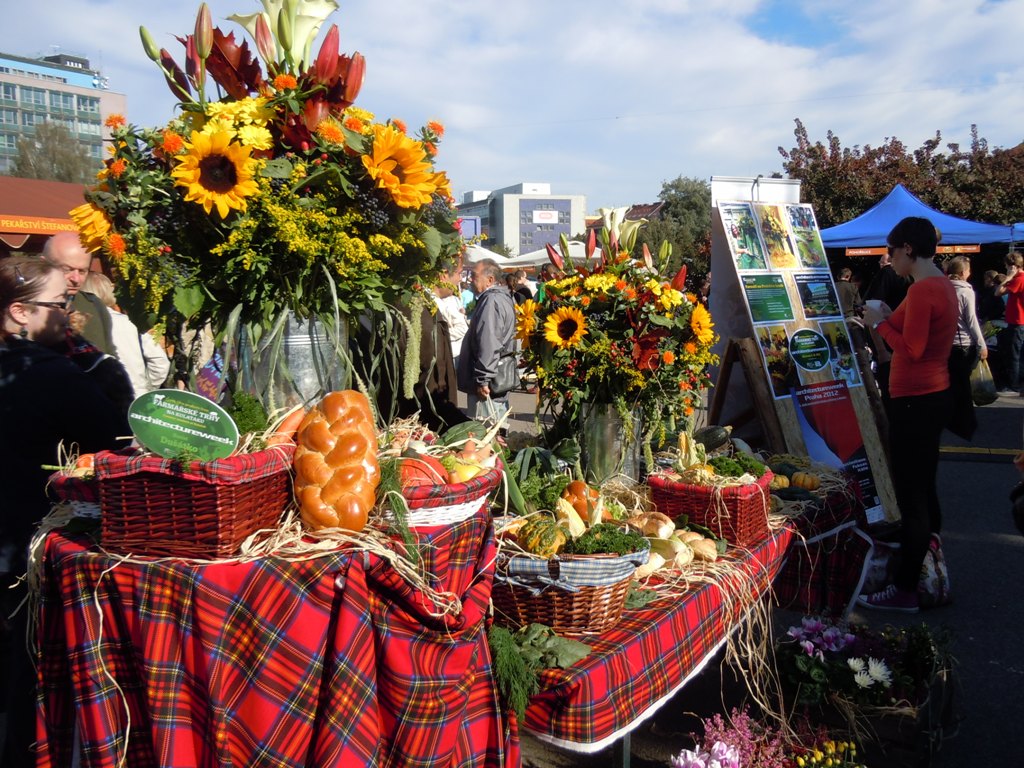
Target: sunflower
(398, 164)
(700, 324)
(216, 172)
(565, 327)
(526, 320)
(93, 225)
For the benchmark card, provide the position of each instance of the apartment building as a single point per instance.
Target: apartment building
(62, 89)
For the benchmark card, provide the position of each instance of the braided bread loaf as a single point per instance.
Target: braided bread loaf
(336, 468)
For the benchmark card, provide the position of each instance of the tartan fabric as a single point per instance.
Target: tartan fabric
(823, 571)
(232, 470)
(332, 661)
(567, 572)
(431, 496)
(644, 658)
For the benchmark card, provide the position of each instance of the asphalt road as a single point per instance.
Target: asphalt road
(985, 556)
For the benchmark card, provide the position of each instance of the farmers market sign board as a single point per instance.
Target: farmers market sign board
(172, 422)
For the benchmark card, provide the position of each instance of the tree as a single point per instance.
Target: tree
(51, 153)
(685, 223)
(842, 183)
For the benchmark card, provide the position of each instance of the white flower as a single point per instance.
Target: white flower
(857, 665)
(879, 672)
(863, 679)
(690, 759)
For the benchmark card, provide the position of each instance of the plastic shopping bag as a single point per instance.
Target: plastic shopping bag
(983, 388)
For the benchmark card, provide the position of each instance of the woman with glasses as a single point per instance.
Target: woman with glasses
(920, 333)
(45, 400)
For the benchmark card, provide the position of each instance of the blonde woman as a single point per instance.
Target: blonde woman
(145, 361)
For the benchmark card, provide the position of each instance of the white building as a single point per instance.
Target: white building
(60, 89)
(526, 216)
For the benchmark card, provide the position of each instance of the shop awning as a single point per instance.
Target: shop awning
(31, 209)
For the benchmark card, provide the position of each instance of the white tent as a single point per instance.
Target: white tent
(538, 258)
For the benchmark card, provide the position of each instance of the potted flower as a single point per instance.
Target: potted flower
(616, 339)
(891, 688)
(270, 198)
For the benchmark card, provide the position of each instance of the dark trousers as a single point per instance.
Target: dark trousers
(17, 679)
(915, 425)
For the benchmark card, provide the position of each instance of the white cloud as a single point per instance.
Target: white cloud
(610, 99)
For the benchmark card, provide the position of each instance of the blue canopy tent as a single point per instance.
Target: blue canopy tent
(871, 227)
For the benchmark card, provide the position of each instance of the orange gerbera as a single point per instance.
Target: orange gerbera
(620, 285)
(431, 148)
(400, 125)
(631, 293)
(668, 357)
(116, 167)
(690, 348)
(436, 128)
(285, 82)
(353, 124)
(172, 143)
(114, 246)
(330, 131)
(115, 121)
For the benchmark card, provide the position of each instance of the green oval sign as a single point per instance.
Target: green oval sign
(174, 423)
(809, 350)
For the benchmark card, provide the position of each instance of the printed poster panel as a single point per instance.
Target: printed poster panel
(794, 293)
(804, 229)
(832, 435)
(743, 234)
(817, 294)
(767, 298)
(843, 360)
(775, 233)
(774, 343)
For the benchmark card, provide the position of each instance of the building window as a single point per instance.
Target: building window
(31, 118)
(62, 101)
(89, 129)
(9, 91)
(8, 117)
(35, 96)
(88, 104)
(8, 141)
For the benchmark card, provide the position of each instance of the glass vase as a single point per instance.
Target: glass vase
(297, 362)
(611, 444)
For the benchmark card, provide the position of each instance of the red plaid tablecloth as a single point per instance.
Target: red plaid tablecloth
(329, 662)
(637, 666)
(824, 570)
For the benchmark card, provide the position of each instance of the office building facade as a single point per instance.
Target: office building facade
(61, 89)
(525, 217)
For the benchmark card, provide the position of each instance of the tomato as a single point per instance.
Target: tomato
(581, 496)
(421, 469)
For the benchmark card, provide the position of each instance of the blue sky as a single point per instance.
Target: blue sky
(610, 99)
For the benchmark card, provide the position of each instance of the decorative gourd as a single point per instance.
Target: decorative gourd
(542, 536)
(691, 453)
(712, 437)
(806, 480)
(779, 481)
(336, 467)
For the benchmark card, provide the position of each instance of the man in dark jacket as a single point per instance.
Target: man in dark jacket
(491, 331)
(65, 250)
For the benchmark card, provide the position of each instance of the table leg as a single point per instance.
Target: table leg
(622, 750)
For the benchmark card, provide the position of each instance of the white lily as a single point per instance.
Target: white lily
(625, 231)
(302, 17)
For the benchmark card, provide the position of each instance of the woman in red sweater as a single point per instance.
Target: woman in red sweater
(920, 333)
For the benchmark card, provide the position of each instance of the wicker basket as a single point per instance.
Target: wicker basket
(81, 493)
(433, 505)
(522, 596)
(737, 513)
(156, 507)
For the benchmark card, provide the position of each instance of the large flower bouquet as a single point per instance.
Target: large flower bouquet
(269, 191)
(617, 331)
